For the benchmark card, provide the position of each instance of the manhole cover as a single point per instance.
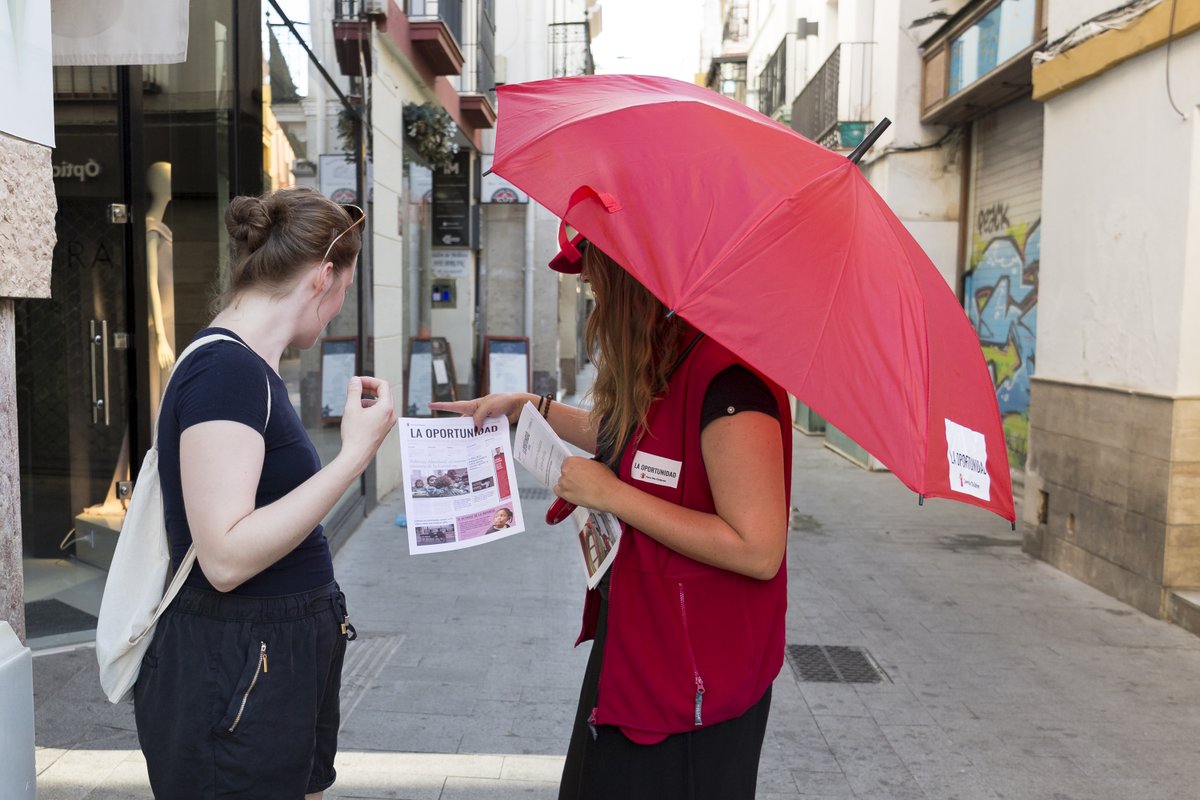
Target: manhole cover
(833, 664)
(535, 494)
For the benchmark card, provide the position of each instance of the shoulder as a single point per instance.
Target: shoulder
(222, 361)
(223, 380)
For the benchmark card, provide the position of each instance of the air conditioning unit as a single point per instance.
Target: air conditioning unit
(375, 8)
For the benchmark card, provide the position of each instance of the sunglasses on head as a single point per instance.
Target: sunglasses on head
(357, 215)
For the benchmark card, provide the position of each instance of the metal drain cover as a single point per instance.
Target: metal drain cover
(535, 494)
(819, 663)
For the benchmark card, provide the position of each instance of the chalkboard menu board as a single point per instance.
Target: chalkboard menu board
(429, 377)
(339, 363)
(505, 364)
(452, 204)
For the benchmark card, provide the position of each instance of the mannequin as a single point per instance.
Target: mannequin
(160, 277)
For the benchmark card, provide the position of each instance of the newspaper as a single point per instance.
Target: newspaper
(459, 483)
(540, 451)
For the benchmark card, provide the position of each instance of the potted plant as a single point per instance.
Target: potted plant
(431, 132)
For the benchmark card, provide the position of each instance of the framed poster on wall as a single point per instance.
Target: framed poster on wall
(339, 363)
(505, 364)
(429, 375)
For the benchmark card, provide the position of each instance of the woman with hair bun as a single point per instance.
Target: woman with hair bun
(238, 691)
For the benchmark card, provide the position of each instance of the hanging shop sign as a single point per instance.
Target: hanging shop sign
(452, 204)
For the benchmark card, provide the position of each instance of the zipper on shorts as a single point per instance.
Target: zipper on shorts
(259, 669)
(692, 654)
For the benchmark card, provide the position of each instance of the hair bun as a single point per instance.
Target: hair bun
(248, 222)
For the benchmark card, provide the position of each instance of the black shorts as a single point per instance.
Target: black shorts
(238, 696)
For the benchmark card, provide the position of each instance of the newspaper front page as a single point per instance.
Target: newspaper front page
(460, 488)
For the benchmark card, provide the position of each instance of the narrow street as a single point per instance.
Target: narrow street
(1002, 677)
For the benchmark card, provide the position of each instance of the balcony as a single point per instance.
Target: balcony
(834, 109)
(772, 83)
(570, 49)
(980, 60)
(735, 32)
(351, 38)
(435, 28)
(477, 95)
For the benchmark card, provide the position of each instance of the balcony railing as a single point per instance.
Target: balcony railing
(736, 29)
(834, 109)
(348, 9)
(772, 81)
(477, 89)
(479, 52)
(351, 33)
(570, 49)
(449, 12)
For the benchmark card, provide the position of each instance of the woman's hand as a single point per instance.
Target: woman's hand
(492, 405)
(588, 483)
(366, 422)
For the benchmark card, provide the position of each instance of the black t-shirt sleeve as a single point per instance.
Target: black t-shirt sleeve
(734, 390)
(225, 381)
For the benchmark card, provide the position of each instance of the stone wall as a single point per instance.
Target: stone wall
(26, 218)
(1112, 494)
(27, 238)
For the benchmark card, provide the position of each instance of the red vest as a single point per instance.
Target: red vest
(688, 645)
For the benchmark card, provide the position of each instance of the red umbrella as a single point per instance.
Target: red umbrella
(781, 251)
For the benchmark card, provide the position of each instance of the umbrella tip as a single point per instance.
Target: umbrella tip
(869, 140)
(670, 314)
(487, 172)
(1014, 525)
(920, 499)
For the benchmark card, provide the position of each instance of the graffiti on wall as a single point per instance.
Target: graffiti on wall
(1001, 294)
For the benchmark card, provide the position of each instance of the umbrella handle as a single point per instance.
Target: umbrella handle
(611, 204)
(558, 511)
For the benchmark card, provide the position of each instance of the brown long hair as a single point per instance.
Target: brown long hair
(273, 237)
(632, 344)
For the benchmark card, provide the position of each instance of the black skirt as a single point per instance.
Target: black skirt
(718, 762)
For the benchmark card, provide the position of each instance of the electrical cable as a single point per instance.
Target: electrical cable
(1112, 19)
(1170, 36)
(916, 148)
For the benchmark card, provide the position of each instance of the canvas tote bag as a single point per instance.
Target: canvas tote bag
(133, 594)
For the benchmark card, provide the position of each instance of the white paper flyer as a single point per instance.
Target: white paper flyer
(539, 450)
(460, 488)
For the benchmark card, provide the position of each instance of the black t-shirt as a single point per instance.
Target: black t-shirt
(733, 389)
(226, 381)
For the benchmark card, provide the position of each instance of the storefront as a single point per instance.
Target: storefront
(147, 158)
(976, 73)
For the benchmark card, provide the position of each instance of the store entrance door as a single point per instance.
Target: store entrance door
(73, 367)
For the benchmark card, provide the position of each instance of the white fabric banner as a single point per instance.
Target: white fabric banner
(26, 93)
(104, 32)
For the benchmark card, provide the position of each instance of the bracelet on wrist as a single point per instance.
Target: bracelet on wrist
(549, 398)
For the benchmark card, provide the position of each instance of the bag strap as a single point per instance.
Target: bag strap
(189, 558)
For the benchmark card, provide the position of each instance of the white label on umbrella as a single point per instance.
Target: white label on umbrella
(967, 452)
(655, 469)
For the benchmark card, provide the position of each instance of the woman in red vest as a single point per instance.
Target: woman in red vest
(693, 455)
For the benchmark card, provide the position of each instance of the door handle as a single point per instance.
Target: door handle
(99, 341)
